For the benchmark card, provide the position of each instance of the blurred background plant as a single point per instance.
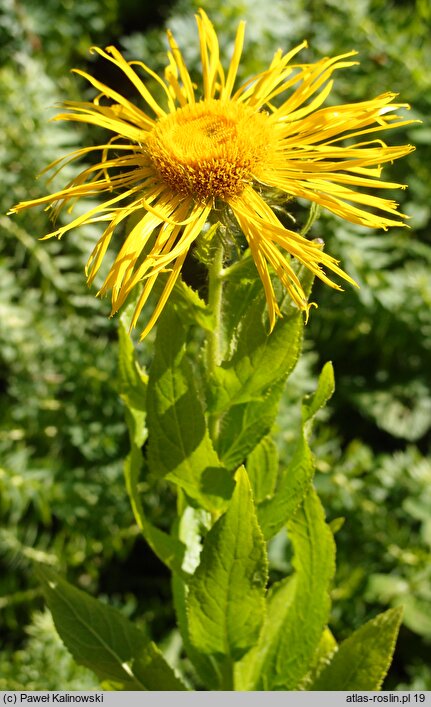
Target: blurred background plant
(62, 434)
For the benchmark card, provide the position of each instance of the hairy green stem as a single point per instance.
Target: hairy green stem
(227, 675)
(213, 347)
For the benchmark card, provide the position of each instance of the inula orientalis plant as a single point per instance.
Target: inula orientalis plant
(211, 170)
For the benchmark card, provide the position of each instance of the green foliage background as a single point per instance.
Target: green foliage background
(63, 438)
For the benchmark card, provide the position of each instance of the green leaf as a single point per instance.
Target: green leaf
(132, 380)
(239, 294)
(273, 513)
(167, 548)
(192, 524)
(179, 446)
(259, 362)
(262, 469)
(226, 594)
(295, 479)
(325, 389)
(102, 639)
(205, 666)
(132, 384)
(322, 657)
(191, 307)
(363, 659)
(243, 427)
(245, 390)
(298, 607)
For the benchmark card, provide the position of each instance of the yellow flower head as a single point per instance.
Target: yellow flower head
(170, 163)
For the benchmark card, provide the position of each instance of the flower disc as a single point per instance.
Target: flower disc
(209, 149)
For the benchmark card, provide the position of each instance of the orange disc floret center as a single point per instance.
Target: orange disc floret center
(211, 149)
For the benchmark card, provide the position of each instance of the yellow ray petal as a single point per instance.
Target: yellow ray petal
(210, 55)
(97, 118)
(227, 89)
(182, 68)
(162, 300)
(115, 57)
(163, 245)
